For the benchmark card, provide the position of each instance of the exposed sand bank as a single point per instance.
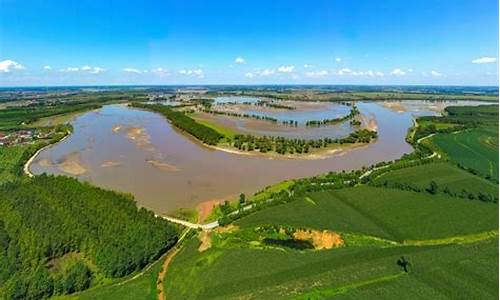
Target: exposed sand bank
(72, 164)
(110, 163)
(163, 166)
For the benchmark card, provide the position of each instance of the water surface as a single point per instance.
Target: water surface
(138, 151)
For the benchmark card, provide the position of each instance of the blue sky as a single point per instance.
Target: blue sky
(248, 42)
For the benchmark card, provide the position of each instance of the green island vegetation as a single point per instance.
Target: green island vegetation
(214, 135)
(424, 223)
(59, 236)
(354, 112)
(180, 120)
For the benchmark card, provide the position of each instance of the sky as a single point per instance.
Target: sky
(93, 42)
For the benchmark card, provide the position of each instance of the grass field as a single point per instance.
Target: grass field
(386, 213)
(227, 132)
(444, 174)
(476, 149)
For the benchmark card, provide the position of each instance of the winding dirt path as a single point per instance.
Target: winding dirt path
(163, 272)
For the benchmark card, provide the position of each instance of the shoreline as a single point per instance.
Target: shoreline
(316, 155)
(26, 167)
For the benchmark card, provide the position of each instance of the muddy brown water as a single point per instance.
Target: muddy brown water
(139, 152)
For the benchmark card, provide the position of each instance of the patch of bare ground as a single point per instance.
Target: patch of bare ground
(205, 208)
(321, 239)
(205, 238)
(163, 272)
(226, 229)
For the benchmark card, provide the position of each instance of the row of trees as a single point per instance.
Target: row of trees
(48, 217)
(238, 115)
(283, 145)
(354, 111)
(180, 120)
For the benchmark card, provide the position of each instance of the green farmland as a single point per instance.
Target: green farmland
(447, 176)
(385, 213)
(476, 149)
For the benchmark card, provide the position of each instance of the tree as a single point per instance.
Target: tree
(242, 198)
(433, 188)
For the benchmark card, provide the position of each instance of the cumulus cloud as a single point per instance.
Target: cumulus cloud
(286, 69)
(96, 70)
(70, 69)
(338, 59)
(196, 72)
(344, 71)
(436, 73)
(484, 60)
(160, 71)
(47, 67)
(250, 75)
(132, 70)
(267, 72)
(239, 60)
(307, 66)
(316, 74)
(398, 72)
(8, 65)
(370, 73)
(86, 68)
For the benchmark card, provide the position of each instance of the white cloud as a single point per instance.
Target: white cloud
(321, 73)
(96, 70)
(436, 73)
(250, 75)
(338, 59)
(410, 70)
(47, 67)
(195, 72)
(239, 60)
(70, 69)
(267, 72)
(132, 70)
(398, 72)
(344, 71)
(307, 66)
(484, 60)
(286, 69)
(8, 65)
(86, 68)
(160, 71)
(379, 74)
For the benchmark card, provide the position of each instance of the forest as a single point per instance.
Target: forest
(47, 221)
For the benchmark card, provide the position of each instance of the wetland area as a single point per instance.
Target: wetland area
(140, 152)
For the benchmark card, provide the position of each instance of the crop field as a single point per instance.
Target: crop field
(444, 174)
(351, 272)
(476, 149)
(387, 213)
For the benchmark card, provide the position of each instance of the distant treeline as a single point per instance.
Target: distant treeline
(180, 120)
(57, 234)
